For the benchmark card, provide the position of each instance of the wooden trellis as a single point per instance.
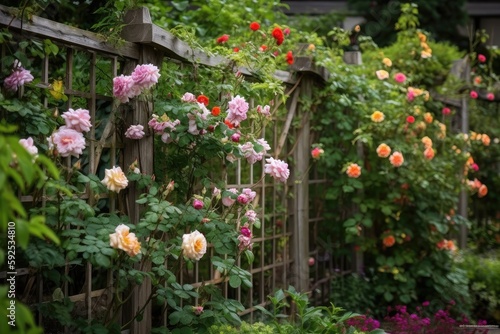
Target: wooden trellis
(289, 215)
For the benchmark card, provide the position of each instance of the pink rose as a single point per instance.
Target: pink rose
(29, 146)
(238, 109)
(17, 78)
(68, 142)
(78, 120)
(277, 169)
(124, 88)
(400, 77)
(146, 76)
(135, 132)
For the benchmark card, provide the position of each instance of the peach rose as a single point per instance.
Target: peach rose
(353, 170)
(382, 74)
(429, 153)
(115, 179)
(383, 150)
(194, 245)
(396, 159)
(377, 116)
(124, 240)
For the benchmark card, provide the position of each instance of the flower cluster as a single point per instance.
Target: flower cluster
(363, 323)
(426, 50)
(19, 77)
(68, 140)
(142, 78)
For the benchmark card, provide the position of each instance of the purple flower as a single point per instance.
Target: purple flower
(124, 88)
(135, 132)
(238, 109)
(188, 97)
(29, 146)
(17, 78)
(78, 120)
(277, 169)
(146, 76)
(197, 204)
(68, 142)
(251, 215)
(425, 304)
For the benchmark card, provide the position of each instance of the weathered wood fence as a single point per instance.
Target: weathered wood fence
(290, 234)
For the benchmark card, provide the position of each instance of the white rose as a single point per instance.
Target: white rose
(194, 245)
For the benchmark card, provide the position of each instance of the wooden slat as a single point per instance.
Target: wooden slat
(43, 28)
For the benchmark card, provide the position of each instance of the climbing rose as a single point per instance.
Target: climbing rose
(251, 215)
(317, 152)
(78, 120)
(228, 201)
(353, 170)
(446, 111)
(68, 142)
(246, 196)
(197, 204)
(188, 97)
(485, 139)
(203, 99)
(400, 77)
(383, 150)
(481, 58)
(17, 78)
(223, 39)
(427, 142)
(396, 159)
(124, 240)
(264, 110)
(410, 119)
(146, 76)
(277, 169)
(387, 62)
(215, 111)
(289, 57)
(278, 35)
(114, 179)
(473, 94)
(254, 26)
(135, 132)
(483, 191)
(377, 116)
(29, 146)
(490, 96)
(194, 245)
(197, 310)
(238, 109)
(124, 88)
(389, 241)
(429, 153)
(382, 74)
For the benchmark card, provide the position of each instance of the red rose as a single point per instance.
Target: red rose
(254, 26)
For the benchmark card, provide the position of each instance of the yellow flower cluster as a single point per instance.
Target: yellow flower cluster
(426, 50)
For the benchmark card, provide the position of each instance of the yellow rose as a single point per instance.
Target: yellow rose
(115, 179)
(124, 240)
(194, 245)
(387, 62)
(377, 116)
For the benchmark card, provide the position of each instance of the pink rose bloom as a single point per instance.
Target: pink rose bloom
(124, 88)
(400, 77)
(410, 96)
(238, 109)
(475, 167)
(245, 242)
(198, 204)
(251, 215)
(17, 78)
(188, 97)
(311, 261)
(135, 132)
(262, 142)
(159, 127)
(249, 193)
(68, 142)
(490, 96)
(197, 310)
(228, 201)
(78, 119)
(277, 169)
(446, 111)
(216, 192)
(264, 110)
(249, 153)
(473, 94)
(29, 146)
(146, 76)
(246, 231)
(481, 58)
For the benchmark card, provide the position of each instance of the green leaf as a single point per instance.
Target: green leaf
(388, 296)
(234, 281)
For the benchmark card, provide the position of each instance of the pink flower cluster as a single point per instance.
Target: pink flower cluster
(245, 239)
(135, 132)
(161, 123)
(19, 77)
(29, 145)
(68, 140)
(252, 154)
(277, 169)
(143, 77)
(237, 111)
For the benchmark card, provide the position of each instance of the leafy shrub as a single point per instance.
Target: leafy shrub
(245, 328)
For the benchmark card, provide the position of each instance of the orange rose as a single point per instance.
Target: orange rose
(389, 241)
(124, 240)
(483, 191)
(429, 153)
(396, 159)
(383, 150)
(427, 142)
(353, 170)
(428, 117)
(377, 116)
(485, 139)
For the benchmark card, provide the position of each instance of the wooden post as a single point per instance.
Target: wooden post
(301, 158)
(142, 152)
